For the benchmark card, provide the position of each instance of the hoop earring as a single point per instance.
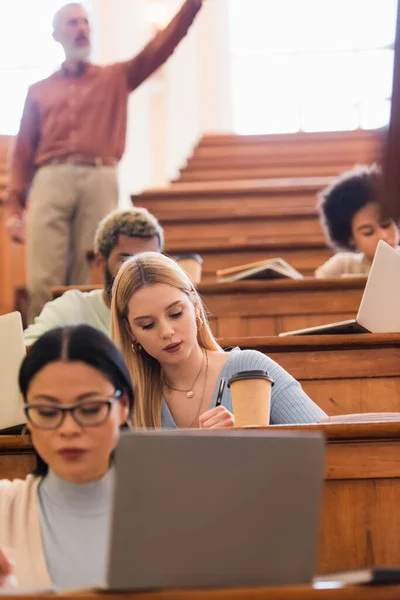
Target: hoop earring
(136, 348)
(199, 322)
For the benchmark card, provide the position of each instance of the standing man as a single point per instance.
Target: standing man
(72, 136)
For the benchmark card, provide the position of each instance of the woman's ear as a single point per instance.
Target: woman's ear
(99, 261)
(124, 410)
(195, 303)
(128, 329)
(352, 244)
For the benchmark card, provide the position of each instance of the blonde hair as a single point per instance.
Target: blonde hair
(149, 268)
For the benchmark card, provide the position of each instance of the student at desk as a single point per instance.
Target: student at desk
(120, 234)
(78, 395)
(350, 215)
(160, 325)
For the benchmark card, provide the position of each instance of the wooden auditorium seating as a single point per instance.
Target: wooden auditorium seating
(298, 592)
(343, 374)
(239, 220)
(235, 222)
(248, 308)
(229, 157)
(261, 219)
(360, 518)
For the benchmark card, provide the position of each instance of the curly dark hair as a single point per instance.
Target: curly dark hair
(339, 202)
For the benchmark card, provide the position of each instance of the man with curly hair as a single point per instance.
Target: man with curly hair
(119, 235)
(351, 217)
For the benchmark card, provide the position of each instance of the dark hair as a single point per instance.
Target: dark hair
(75, 343)
(340, 201)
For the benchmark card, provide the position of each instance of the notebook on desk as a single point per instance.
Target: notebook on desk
(215, 509)
(12, 351)
(379, 310)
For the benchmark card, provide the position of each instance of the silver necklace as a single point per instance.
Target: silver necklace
(189, 393)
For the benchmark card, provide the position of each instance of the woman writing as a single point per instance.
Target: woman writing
(159, 324)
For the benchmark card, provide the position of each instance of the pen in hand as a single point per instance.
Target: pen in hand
(220, 391)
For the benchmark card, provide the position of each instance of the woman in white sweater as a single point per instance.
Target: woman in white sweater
(54, 524)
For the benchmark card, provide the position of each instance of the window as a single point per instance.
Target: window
(311, 65)
(28, 53)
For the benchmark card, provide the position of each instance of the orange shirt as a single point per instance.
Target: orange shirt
(86, 112)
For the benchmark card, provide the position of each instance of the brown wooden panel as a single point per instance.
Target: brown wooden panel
(14, 466)
(355, 395)
(263, 172)
(359, 519)
(245, 160)
(301, 592)
(243, 231)
(293, 322)
(341, 364)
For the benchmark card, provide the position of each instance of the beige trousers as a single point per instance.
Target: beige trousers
(66, 203)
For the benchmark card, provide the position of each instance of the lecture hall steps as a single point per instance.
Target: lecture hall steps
(228, 157)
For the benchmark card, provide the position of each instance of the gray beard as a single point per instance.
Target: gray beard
(78, 54)
(108, 282)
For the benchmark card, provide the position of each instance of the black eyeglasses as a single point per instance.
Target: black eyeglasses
(86, 413)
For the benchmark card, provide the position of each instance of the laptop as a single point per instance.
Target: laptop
(12, 351)
(215, 509)
(379, 310)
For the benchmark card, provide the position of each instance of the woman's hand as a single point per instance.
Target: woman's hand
(216, 418)
(7, 577)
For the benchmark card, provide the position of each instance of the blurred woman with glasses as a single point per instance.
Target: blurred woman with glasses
(54, 524)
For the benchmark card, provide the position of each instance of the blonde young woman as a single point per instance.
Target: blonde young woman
(160, 326)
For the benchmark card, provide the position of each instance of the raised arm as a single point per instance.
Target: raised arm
(161, 47)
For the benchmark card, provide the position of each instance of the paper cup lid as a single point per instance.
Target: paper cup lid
(188, 257)
(242, 375)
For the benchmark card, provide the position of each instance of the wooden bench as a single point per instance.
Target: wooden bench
(212, 200)
(248, 308)
(290, 226)
(232, 172)
(304, 255)
(222, 157)
(360, 518)
(356, 142)
(350, 373)
(301, 592)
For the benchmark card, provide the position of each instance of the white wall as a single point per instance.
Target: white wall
(190, 95)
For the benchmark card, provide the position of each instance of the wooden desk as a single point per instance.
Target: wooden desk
(304, 255)
(360, 517)
(281, 226)
(343, 374)
(224, 199)
(195, 173)
(276, 593)
(248, 308)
